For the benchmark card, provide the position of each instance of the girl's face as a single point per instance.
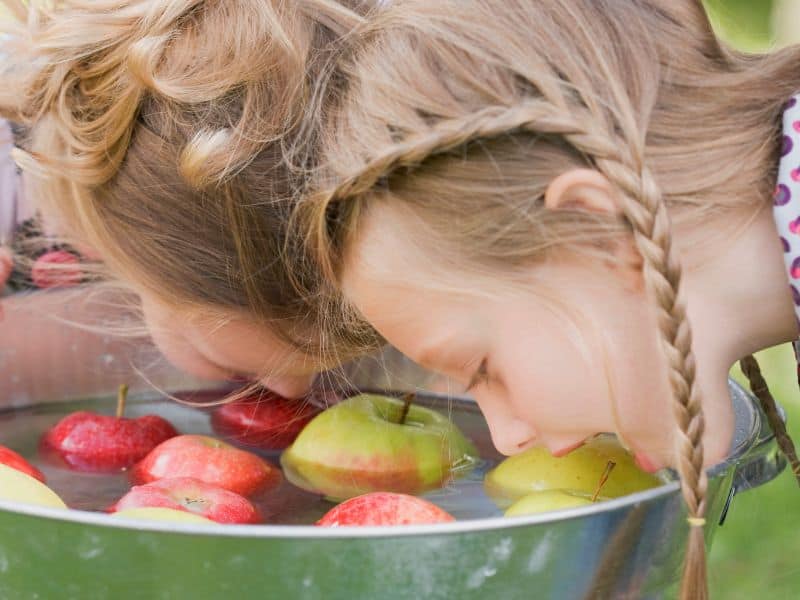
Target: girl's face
(570, 352)
(218, 347)
(232, 348)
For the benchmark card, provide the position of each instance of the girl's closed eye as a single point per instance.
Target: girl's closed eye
(481, 375)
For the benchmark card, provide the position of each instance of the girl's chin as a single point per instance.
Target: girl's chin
(646, 463)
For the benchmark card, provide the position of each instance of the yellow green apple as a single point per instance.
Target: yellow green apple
(360, 445)
(151, 513)
(546, 501)
(579, 471)
(17, 486)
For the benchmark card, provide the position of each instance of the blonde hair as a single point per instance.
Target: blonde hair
(163, 134)
(464, 112)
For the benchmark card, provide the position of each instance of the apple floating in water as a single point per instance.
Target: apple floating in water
(191, 495)
(207, 459)
(17, 486)
(550, 500)
(546, 501)
(537, 470)
(265, 420)
(371, 443)
(384, 508)
(11, 459)
(150, 513)
(87, 441)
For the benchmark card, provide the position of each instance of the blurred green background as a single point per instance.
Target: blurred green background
(757, 552)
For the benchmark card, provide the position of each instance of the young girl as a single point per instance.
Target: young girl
(566, 205)
(160, 136)
(61, 330)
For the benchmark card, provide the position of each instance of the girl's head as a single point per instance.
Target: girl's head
(161, 135)
(501, 178)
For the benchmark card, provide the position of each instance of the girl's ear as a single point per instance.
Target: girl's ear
(582, 189)
(589, 190)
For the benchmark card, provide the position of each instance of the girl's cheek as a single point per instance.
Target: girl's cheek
(194, 364)
(178, 351)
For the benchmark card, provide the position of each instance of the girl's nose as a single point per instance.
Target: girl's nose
(295, 386)
(510, 434)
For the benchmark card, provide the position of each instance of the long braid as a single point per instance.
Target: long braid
(646, 211)
(537, 116)
(644, 207)
(758, 386)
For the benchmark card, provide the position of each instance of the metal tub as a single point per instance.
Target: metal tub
(626, 548)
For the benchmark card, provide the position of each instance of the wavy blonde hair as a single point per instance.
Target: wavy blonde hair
(164, 135)
(464, 111)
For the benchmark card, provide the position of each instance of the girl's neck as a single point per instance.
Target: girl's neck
(739, 300)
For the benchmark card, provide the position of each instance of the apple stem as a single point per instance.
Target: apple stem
(609, 467)
(122, 395)
(408, 399)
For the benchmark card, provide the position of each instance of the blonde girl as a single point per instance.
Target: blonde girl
(160, 136)
(567, 207)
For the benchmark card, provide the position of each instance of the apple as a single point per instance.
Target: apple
(17, 486)
(549, 500)
(10, 458)
(56, 268)
(6, 266)
(207, 459)
(265, 420)
(545, 501)
(536, 470)
(191, 495)
(150, 513)
(384, 508)
(360, 445)
(87, 441)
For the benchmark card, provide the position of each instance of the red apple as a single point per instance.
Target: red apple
(384, 508)
(191, 495)
(11, 459)
(6, 266)
(57, 268)
(209, 460)
(87, 441)
(265, 420)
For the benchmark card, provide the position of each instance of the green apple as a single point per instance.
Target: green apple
(359, 446)
(17, 486)
(536, 470)
(547, 500)
(153, 513)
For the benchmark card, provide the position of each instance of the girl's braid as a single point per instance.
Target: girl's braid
(645, 209)
(761, 391)
(538, 116)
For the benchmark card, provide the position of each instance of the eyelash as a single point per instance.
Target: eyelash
(481, 375)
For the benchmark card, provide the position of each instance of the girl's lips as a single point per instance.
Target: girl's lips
(644, 463)
(559, 452)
